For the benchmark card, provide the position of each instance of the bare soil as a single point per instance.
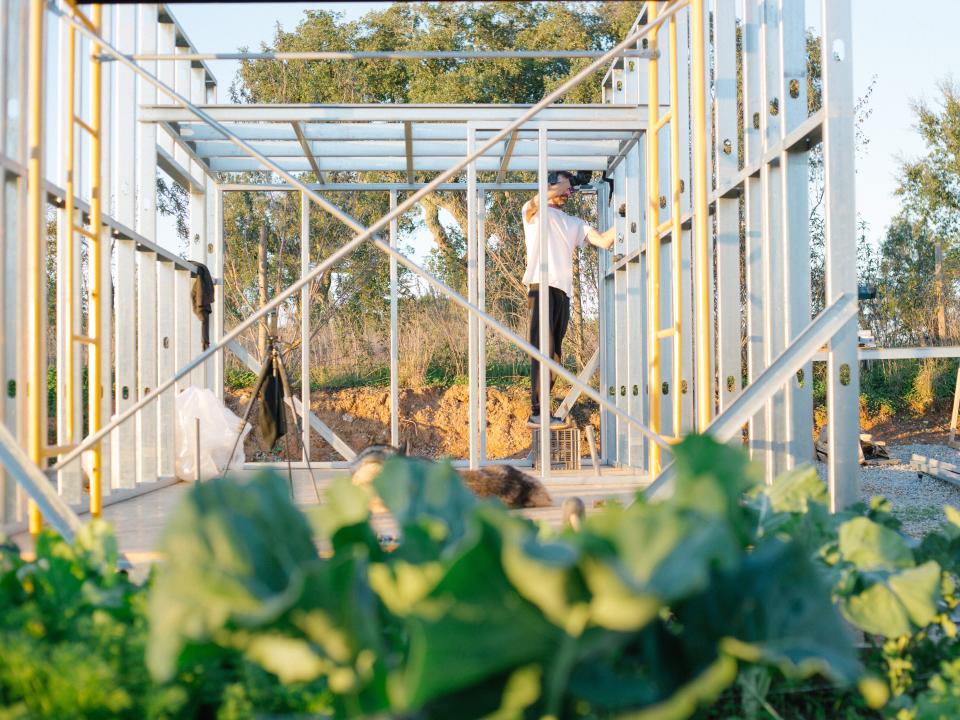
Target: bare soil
(931, 427)
(434, 420)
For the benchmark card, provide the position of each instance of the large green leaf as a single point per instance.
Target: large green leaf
(543, 572)
(871, 546)
(711, 478)
(471, 626)
(894, 601)
(774, 609)
(235, 553)
(793, 491)
(426, 495)
(877, 611)
(667, 551)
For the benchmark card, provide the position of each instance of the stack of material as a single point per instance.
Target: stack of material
(871, 452)
(939, 469)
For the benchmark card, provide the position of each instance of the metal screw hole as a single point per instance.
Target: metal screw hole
(683, 387)
(727, 147)
(800, 378)
(665, 388)
(731, 383)
(794, 89)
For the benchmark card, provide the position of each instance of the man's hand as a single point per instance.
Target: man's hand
(603, 240)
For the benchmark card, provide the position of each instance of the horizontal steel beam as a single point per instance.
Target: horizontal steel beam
(384, 131)
(596, 114)
(385, 187)
(167, 163)
(730, 422)
(904, 353)
(388, 55)
(397, 148)
(399, 164)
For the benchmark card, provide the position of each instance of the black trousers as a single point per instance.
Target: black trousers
(558, 313)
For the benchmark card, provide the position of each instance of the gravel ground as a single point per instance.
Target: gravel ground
(917, 501)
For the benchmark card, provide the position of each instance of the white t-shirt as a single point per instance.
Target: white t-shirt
(565, 233)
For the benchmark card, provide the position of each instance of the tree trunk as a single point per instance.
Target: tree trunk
(262, 288)
(938, 289)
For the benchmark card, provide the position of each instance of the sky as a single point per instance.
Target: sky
(907, 57)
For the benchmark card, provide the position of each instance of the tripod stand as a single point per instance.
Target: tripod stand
(274, 369)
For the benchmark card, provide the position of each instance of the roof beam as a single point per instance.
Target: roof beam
(308, 152)
(426, 148)
(389, 55)
(408, 146)
(505, 160)
(176, 171)
(191, 151)
(399, 164)
(335, 132)
(596, 114)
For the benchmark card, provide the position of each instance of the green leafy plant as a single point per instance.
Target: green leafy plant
(646, 612)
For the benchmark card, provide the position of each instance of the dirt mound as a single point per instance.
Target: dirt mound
(434, 420)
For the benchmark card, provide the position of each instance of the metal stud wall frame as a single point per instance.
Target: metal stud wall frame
(704, 300)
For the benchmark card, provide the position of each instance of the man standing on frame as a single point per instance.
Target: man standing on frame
(565, 233)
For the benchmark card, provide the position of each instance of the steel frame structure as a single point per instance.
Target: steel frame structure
(669, 292)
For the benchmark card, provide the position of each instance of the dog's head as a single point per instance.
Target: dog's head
(368, 462)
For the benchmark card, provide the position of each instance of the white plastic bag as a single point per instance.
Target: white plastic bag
(218, 433)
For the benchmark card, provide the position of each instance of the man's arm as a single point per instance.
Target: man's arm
(603, 240)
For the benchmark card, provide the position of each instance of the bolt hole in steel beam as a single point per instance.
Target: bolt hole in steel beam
(845, 374)
(683, 387)
(800, 378)
(839, 50)
(774, 107)
(727, 147)
(794, 89)
(731, 383)
(665, 387)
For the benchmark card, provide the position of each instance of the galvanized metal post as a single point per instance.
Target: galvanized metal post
(701, 218)
(148, 306)
(772, 237)
(123, 144)
(394, 334)
(482, 326)
(472, 293)
(653, 242)
(305, 302)
(843, 376)
(730, 371)
(544, 304)
(795, 169)
(623, 315)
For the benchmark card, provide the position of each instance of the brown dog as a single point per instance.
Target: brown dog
(514, 488)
